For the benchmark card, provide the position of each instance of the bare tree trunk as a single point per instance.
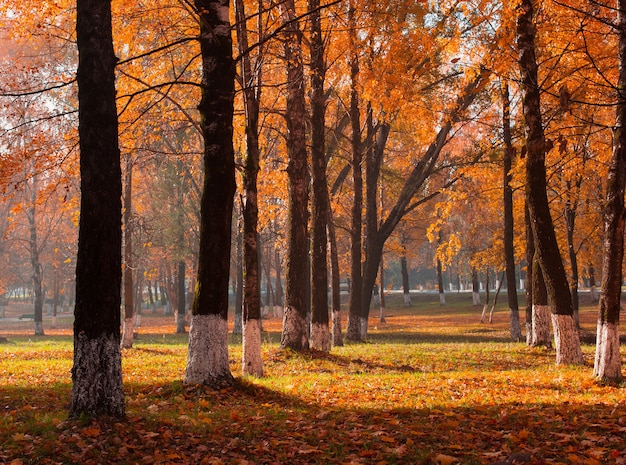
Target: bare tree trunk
(295, 334)
(607, 366)
(353, 332)
(97, 369)
(509, 251)
(238, 323)
(181, 307)
(442, 296)
(129, 305)
(383, 310)
(486, 306)
(475, 288)
(34, 259)
(568, 344)
(320, 333)
(252, 362)
(530, 258)
(335, 292)
(207, 359)
(404, 268)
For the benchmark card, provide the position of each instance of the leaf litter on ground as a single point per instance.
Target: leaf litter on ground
(427, 388)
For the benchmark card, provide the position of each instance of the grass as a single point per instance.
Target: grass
(431, 386)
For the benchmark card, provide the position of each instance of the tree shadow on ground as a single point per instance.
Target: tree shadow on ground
(248, 423)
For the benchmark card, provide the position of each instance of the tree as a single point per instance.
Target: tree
(127, 334)
(355, 313)
(607, 365)
(295, 334)
(320, 334)
(546, 246)
(251, 312)
(509, 250)
(97, 369)
(207, 358)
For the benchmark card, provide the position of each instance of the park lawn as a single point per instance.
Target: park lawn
(431, 386)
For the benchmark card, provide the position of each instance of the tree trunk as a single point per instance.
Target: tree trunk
(34, 261)
(592, 283)
(607, 366)
(207, 360)
(530, 254)
(442, 296)
(486, 306)
(540, 326)
(353, 332)
(238, 323)
(278, 281)
(295, 334)
(568, 348)
(97, 369)
(475, 288)
(509, 250)
(129, 305)
(570, 221)
(335, 288)
(252, 362)
(404, 268)
(320, 334)
(383, 310)
(182, 299)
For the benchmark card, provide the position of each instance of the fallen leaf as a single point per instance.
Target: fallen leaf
(443, 459)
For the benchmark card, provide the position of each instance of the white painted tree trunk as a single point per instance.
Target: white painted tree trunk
(39, 328)
(207, 355)
(567, 341)
(337, 336)
(251, 362)
(138, 320)
(442, 298)
(97, 376)
(278, 311)
(476, 298)
(127, 334)
(364, 323)
(541, 326)
(607, 361)
(482, 316)
(407, 300)
(320, 337)
(294, 326)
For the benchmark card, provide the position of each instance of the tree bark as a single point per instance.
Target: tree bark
(353, 331)
(320, 333)
(475, 288)
(129, 305)
(530, 254)
(442, 296)
(406, 288)
(207, 359)
(252, 362)
(607, 365)
(33, 245)
(295, 334)
(238, 323)
(97, 369)
(540, 326)
(568, 348)
(509, 250)
(181, 305)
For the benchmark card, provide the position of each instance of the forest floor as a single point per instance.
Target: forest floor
(431, 386)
